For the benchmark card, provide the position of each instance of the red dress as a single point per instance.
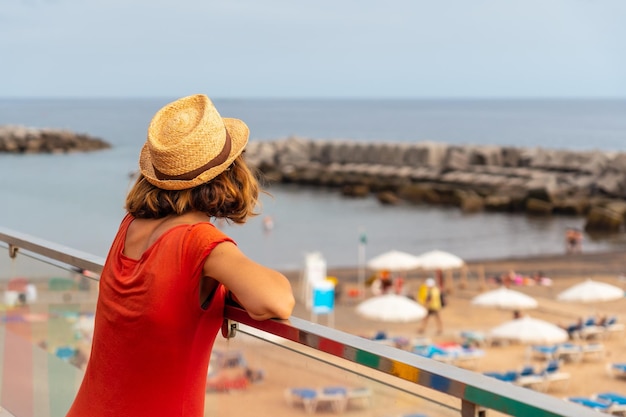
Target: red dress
(152, 339)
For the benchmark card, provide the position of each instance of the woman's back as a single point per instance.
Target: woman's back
(152, 339)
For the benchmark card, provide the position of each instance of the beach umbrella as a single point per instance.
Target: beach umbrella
(505, 298)
(530, 331)
(437, 259)
(394, 260)
(590, 291)
(391, 308)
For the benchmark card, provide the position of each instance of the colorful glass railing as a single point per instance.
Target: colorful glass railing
(313, 367)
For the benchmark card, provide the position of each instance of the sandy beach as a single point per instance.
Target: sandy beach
(281, 369)
(587, 376)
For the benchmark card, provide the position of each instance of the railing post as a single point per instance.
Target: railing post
(469, 409)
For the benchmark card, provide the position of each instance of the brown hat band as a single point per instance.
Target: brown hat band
(218, 160)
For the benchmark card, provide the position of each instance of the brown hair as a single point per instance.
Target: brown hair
(232, 195)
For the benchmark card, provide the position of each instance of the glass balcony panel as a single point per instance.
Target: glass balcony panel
(285, 378)
(44, 333)
(43, 326)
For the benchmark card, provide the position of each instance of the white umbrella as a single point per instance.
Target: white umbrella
(437, 259)
(506, 299)
(590, 291)
(530, 331)
(391, 307)
(394, 261)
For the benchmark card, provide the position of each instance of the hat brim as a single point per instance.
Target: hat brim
(238, 132)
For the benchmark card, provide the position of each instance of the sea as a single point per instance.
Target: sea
(76, 200)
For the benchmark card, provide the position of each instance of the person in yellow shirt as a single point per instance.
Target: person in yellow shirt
(429, 296)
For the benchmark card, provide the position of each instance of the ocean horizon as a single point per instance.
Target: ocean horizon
(77, 199)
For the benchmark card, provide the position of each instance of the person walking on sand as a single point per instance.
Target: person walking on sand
(430, 297)
(170, 271)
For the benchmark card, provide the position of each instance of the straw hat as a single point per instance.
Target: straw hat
(189, 144)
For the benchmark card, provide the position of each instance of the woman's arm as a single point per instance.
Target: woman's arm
(263, 292)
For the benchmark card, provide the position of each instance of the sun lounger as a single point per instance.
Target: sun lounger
(599, 405)
(509, 376)
(525, 377)
(552, 373)
(310, 399)
(569, 352)
(617, 369)
(454, 354)
(591, 329)
(337, 398)
(533, 381)
(543, 379)
(613, 397)
(545, 352)
(611, 326)
(593, 351)
(529, 378)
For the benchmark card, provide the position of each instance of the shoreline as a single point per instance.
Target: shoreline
(554, 266)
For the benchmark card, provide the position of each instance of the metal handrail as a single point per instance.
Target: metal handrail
(476, 392)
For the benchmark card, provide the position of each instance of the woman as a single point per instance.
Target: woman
(169, 269)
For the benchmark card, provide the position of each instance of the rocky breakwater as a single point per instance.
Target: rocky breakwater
(21, 140)
(498, 178)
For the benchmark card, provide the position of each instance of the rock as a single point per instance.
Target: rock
(540, 207)
(358, 190)
(293, 151)
(603, 219)
(612, 184)
(469, 201)
(457, 159)
(388, 198)
(535, 180)
(486, 155)
(571, 206)
(20, 139)
(498, 203)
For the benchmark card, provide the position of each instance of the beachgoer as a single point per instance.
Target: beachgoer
(382, 283)
(170, 271)
(386, 281)
(573, 240)
(429, 296)
(573, 330)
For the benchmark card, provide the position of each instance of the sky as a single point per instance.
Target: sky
(309, 49)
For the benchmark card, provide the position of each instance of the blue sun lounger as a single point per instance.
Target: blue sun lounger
(617, 369)
(599, 405)
(510, 376)
(337, 398)
(613, 397)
